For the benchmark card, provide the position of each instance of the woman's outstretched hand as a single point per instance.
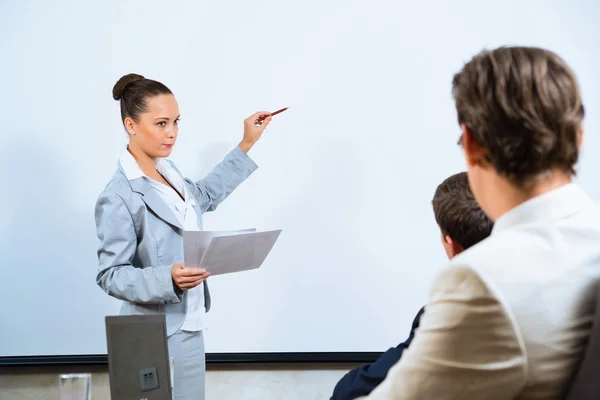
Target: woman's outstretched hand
(254, 126)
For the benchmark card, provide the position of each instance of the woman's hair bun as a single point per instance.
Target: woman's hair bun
(123, 83)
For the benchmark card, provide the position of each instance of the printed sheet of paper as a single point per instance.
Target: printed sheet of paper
(195, 244)
(241, 252)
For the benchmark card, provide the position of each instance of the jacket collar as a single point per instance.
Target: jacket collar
(139, 183)
(556, 204)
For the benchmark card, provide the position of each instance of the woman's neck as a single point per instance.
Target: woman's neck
(146, 163)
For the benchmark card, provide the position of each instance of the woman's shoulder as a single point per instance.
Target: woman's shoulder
(118, 201)
(119, 189)
(118, 184)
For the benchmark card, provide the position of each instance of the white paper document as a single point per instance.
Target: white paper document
(224, 252)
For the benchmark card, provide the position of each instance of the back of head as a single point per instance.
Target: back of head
(132, 90)
(522, 106)
(457, 213)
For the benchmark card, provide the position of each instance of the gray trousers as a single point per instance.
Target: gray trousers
(189, 359)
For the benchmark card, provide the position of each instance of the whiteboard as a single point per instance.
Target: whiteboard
(348, 172)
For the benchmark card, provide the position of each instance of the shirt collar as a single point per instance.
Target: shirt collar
(133, 171)
(556, 204)
(171, 174)
(131, 168)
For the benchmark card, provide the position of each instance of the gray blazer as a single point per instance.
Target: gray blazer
(141, 238)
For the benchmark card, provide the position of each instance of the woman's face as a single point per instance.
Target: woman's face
(156, 130)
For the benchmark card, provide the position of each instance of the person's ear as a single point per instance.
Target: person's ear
(474, 153)
(129, 126)
(454, 247)
(580, 137)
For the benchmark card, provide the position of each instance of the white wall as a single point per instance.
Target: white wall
(282, 382)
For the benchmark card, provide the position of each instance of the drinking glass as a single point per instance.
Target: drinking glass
(75, 386)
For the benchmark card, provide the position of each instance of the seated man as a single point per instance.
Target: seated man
(462, 224)
(510, 318)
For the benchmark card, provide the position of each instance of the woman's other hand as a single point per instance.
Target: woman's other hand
(186, 277)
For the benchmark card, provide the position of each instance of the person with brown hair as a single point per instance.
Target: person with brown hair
(510, 317)
(141, 216)
(462, 224)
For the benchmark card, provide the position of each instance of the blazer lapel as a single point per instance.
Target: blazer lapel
(154, 202)
(189, 193)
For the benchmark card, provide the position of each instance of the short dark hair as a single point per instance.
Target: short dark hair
(132, 90)
(522, 105)
(457, 213)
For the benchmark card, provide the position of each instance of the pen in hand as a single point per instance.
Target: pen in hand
(260, 120)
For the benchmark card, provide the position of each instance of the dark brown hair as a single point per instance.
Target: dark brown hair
(522, 106)
(132, 90)
(457, 213)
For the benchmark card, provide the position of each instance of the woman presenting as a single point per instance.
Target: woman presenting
(141, 216)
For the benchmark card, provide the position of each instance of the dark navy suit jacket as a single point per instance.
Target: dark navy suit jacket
(362, 380)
